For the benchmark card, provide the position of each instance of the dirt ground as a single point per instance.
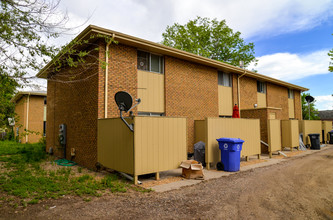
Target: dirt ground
(298, 188)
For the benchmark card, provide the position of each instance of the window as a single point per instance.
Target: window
(150, 62)
(290, 93)
(261, 87)
(44, 128)
(224, 79)
(45, 101)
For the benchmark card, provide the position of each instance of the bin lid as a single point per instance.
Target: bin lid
(230, 140)
(315, 134)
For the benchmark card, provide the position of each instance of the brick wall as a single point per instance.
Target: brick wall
(74, 101)
(298, 105)
(277, 96)
(248, 92)
(191, 91)
(122, 76)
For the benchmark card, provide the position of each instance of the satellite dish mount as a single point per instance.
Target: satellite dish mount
(125, 101)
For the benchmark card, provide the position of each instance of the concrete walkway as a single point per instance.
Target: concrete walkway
(213, 174)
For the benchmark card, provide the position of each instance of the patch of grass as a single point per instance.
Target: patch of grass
(23, 176)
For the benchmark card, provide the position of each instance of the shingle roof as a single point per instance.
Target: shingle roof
(327, 114)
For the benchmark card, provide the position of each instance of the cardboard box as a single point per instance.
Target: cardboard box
(192, 169)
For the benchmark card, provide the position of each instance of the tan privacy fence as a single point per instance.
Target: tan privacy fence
(309, 127)
(326, 126)
(274, 135)
(210, 129)
(157, 144)
(290, 134)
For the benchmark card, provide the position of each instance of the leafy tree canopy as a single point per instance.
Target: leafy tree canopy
(25, 28)
(330, 54)
(7, 89)
(305, 109)
(210, 38)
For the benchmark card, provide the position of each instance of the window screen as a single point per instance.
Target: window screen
(156, 64)
(150, 62)
(290, 93)
(143, 60)
(261, 87)
(224, 79)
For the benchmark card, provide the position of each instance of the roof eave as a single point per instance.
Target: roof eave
(165, 50)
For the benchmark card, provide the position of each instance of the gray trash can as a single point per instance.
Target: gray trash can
(199, 152)
(315, 141)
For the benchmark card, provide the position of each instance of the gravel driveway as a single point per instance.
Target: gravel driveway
(299, 188)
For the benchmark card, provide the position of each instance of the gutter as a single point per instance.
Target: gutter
(27, 121)
(238, 91)
(107, 76)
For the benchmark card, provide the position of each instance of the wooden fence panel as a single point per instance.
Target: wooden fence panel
(274, 135)
(310, 127)
(160, 143)
(290, 133)
(245, 129)
(115, 144)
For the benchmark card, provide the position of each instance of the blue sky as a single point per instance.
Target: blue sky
(291, 37)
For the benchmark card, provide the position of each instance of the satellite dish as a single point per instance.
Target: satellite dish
(309, 99)
(124, 101)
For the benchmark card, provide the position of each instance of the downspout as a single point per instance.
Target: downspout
(106, 77)
(27, 122)
(238, 91)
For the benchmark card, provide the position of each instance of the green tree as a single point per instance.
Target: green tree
(210, 38)
(330, 67)
(305, 109)
(7, 89)
(25, 29)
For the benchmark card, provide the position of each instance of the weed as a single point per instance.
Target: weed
(24, 178)
(87, 199)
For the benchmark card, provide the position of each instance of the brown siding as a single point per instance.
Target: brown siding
(248, 92)
(74, 102)
(36, 114)
(277, 97)
(191, 91)
(234, 89)
(20, 110)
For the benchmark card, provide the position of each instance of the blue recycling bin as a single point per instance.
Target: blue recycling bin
(230, 153)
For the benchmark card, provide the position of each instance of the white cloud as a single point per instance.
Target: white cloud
(148, 18)
(287, 66)
(324, 102)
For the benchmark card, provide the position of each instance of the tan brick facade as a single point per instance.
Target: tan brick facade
(74, 102)
(190, 91)
(298, 105)
(30, 112)
(248, 92)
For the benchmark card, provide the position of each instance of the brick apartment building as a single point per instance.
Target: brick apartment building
(30, 109)
(170, 82)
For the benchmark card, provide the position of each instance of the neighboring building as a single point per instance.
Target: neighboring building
(170, 82)
(326, 115)
(30, 109)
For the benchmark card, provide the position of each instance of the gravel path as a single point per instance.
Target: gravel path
(299, 188)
